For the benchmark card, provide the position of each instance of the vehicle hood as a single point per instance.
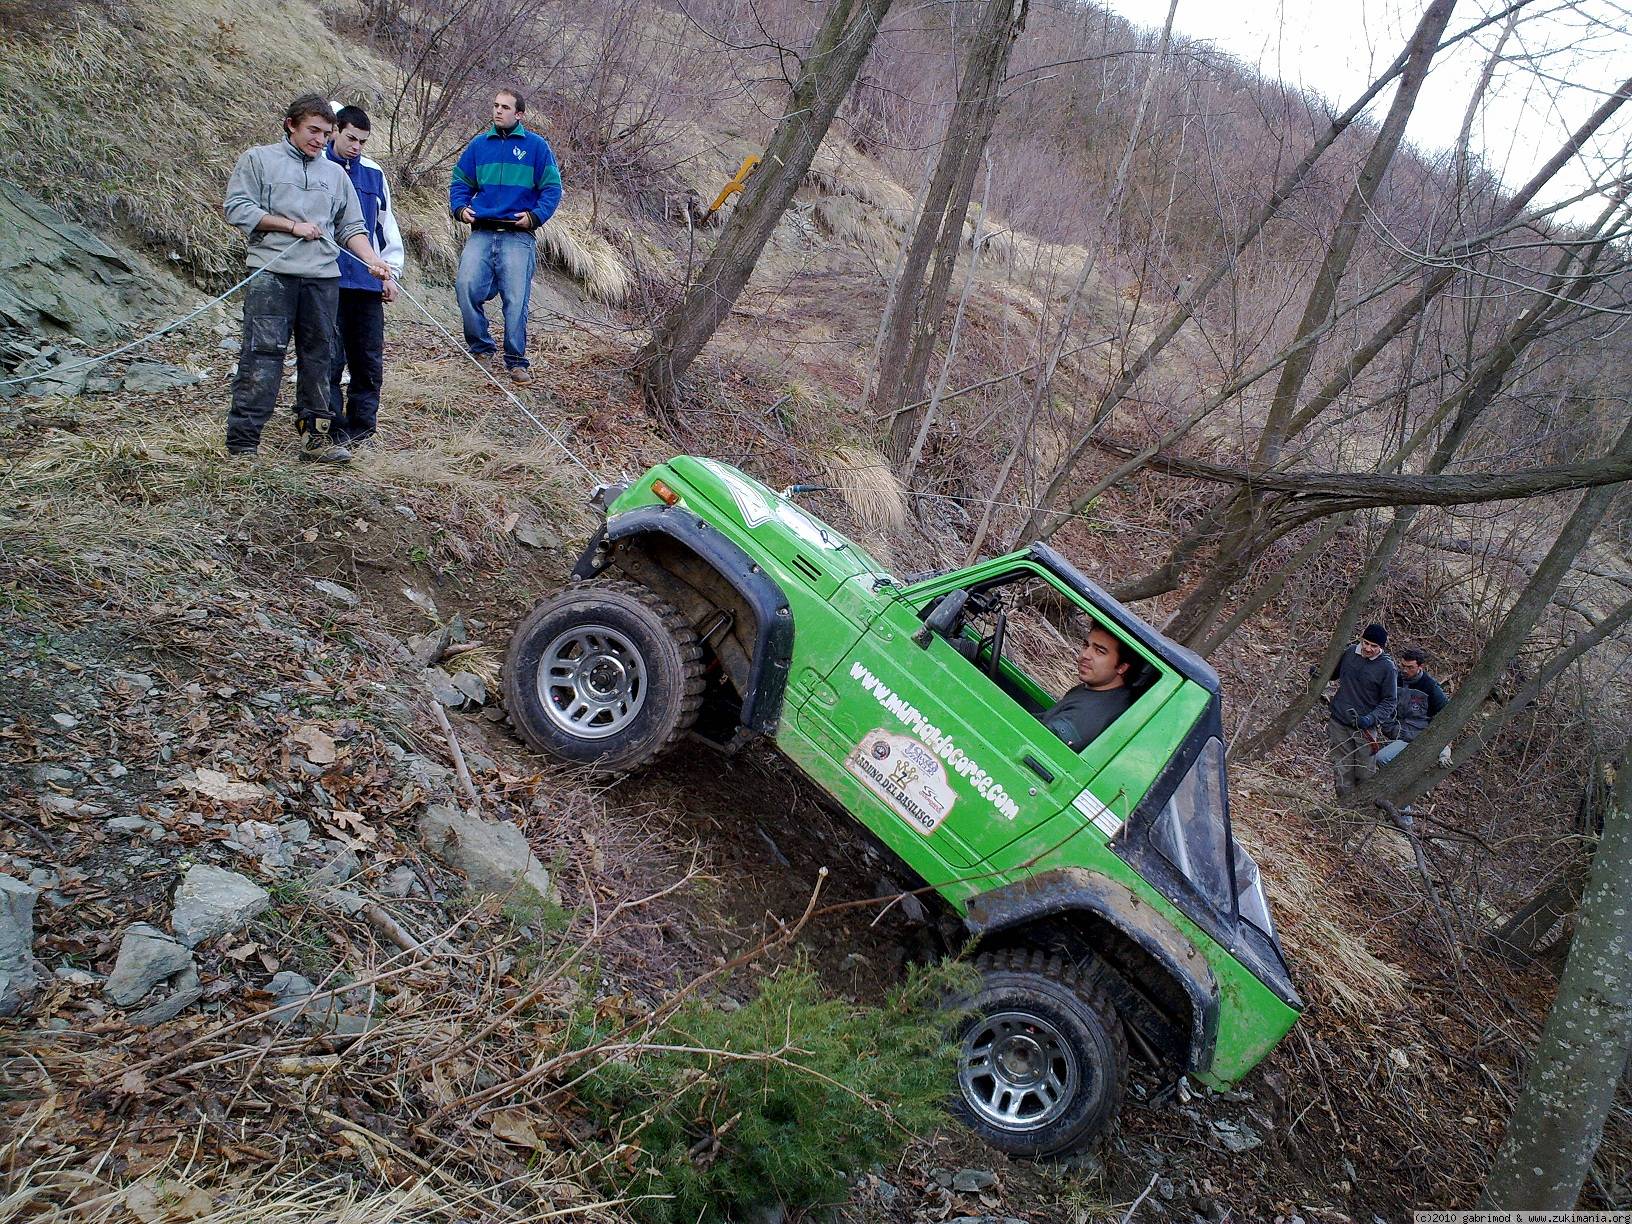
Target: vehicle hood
(776, 524)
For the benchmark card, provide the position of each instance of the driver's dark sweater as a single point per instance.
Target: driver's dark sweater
(1082, 714)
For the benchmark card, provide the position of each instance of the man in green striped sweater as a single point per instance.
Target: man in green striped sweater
(505, 185)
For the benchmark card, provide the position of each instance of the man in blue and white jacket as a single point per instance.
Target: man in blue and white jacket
(506, 184)
(359, 340)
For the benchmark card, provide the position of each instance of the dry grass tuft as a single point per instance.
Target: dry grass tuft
(846, 219)
(231, 66)
(839, 168)
(868, 486)
(1352, 979)
(569, 244)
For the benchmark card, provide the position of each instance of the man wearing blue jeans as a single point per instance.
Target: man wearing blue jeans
(505, 185)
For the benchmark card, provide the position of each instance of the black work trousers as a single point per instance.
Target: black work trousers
(359, 342)
(277, 307)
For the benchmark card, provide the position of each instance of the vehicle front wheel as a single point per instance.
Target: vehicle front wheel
(604, 674)
(1042, 1058)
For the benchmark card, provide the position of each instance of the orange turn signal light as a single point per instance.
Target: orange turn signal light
(665, 494)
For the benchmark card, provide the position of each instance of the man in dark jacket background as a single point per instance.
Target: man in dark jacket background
(359, 341)
(1367, 692)
(1420, 699)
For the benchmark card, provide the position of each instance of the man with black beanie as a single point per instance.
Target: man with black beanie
(1367, 692)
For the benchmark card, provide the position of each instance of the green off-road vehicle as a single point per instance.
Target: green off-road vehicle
(1113, 906)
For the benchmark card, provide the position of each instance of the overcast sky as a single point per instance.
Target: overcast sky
(1336, 47)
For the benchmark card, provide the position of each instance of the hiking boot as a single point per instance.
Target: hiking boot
(249, 452)
(317, 447)
(521, 375)
(355, 442)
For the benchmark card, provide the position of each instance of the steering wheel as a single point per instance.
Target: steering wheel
(994, 640)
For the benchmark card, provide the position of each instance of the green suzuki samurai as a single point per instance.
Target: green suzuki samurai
(1112, 906)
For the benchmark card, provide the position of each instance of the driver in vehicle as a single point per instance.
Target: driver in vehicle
(1088, 708)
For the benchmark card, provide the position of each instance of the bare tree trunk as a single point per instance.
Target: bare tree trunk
(934, 405)
(1402, 776)
(1487, 729)
(916, 307)
(826, 74)
(1195, 614)
(1559, 1121)
(1448, 260)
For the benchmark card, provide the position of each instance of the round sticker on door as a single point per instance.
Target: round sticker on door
(906, 775)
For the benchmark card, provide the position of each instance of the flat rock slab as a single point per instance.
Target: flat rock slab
(146, 957)
(147, 377)
(494, 855)
(212, 901)
(20, 973)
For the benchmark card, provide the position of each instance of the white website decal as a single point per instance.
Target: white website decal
(937, 741)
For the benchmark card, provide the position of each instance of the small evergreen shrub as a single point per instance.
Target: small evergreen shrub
(818, 1086)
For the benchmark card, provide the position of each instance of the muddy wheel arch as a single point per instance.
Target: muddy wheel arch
(740, 613)
(1160, 983)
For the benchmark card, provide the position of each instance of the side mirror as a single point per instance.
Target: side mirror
(943, 617)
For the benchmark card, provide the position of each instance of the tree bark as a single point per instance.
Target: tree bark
(1401, 777)
(1557, 1125)
(1447, 260)
(826, 74)
(917, 307)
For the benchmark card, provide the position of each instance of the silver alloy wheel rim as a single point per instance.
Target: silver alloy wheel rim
(1016, 1071)
(591, 681)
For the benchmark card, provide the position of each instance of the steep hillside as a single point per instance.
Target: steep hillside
(287, 675)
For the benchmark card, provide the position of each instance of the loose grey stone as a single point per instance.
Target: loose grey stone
(140, 681)
(130, 824)
(147, 377)
(211, 902)
(60, 804)
(20, 973)
(427, 773)
(183, 995)
(457, 632)
(146, 957)
(402, 882)
(339, 868)
(428, 648)
(443, 688)
(470, 684)
(296, 832)
(66, 721)
(494, 856)
(536, 535)
(971, 1181)
(44, 775)
(344, 900)
(335, 593)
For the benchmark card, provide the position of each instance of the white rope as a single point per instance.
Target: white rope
(459, 347)
(87, 362)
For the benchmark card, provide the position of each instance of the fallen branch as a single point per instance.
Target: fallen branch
(459, 769)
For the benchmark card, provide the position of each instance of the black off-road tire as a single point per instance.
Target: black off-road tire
(1035, 1010)
(639, 635)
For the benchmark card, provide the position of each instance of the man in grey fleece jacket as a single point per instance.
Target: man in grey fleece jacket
(296, 208)
(1367, 692)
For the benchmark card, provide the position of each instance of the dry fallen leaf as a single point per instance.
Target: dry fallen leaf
(309, 535)
(516, 1126)
(319, 745)
(219, 786)
(243, 951)
(353, 828)
(510, 522)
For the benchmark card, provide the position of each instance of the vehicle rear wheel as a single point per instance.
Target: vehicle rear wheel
(1042, 1058)
(604, 674)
